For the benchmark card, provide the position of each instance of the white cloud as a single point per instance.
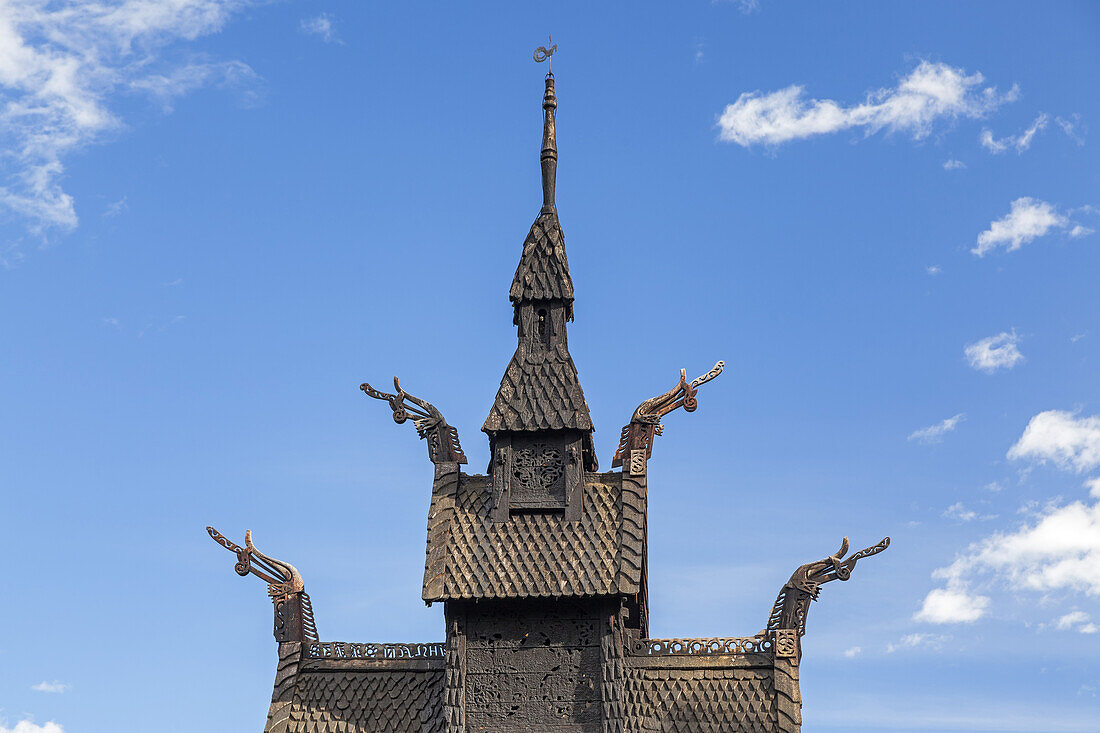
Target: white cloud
(913, 641)
(54, 686)
(748, 7)
(994, 486)
(959, 512)
(953, 165)
(1078, 621)
(323, 26)
(700, 51)
(1072, 128)
(935, 433)
(175, 83)
(1027, 220)
(1066, 440)
(933, 269)
(931, 92)
(952, 605)
(116, 208)
(853, 652)
(1093, 485)
(1019, 142)
(994, 352)
(26, 726)
(1060, 551)
(61, 63)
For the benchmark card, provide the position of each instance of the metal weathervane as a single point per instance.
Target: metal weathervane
(543, 53)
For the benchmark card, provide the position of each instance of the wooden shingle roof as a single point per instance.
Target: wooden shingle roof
(534, 555)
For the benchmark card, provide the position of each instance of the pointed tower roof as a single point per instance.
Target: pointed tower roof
(543, 272)
(540, 389)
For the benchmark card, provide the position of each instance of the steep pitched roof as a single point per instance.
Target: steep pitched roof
(539, 391)
(534, 555)
(543, 271)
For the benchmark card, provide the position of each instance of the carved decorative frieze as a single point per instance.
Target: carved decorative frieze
(347, 650)
(701, 647)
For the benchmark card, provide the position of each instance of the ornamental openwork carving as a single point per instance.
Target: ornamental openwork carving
(786, 643)
(537, 469)
(345, 650)
(702, 647)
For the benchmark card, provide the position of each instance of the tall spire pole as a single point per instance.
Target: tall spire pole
(549, 157)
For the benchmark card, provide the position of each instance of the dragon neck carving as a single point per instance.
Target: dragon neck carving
(793, 604)
(443, 445)
(293, 608)
(645, 423)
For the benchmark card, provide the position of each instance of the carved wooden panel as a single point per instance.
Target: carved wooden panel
(537, 479)
(534, 669)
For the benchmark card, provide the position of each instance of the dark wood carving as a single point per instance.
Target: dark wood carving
(533, 667)
(541, 566)
(443, 445)
(636, 440)
(293, 609)
(793, 603)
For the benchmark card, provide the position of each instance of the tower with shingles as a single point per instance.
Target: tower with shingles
(540, 564)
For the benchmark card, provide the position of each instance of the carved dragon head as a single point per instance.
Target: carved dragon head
(792, 605)
(283, 579)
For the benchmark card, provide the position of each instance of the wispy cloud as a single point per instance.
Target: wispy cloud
(960, 513)
(1070, 442)
(63, 62)
(1027, 220)
(935, 433)
(994, 352)
(748, 7)
(930, 93)
(1020, 142)
(853, 652)
(166, 88)
(54, 686)
(116, 208)
(323, 26)
(953, 165)
(1078, 621)
(933, 269)
(1072, 127)
(161, 326)
(918, 640)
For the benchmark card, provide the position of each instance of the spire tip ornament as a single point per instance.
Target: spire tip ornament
(543, 53)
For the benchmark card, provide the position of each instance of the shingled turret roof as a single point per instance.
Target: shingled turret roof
(543, 272)
(540, 389)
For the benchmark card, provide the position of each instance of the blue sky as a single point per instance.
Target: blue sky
(218, 217)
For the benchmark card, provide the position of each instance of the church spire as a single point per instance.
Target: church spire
(549, 156)
(540, 414)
